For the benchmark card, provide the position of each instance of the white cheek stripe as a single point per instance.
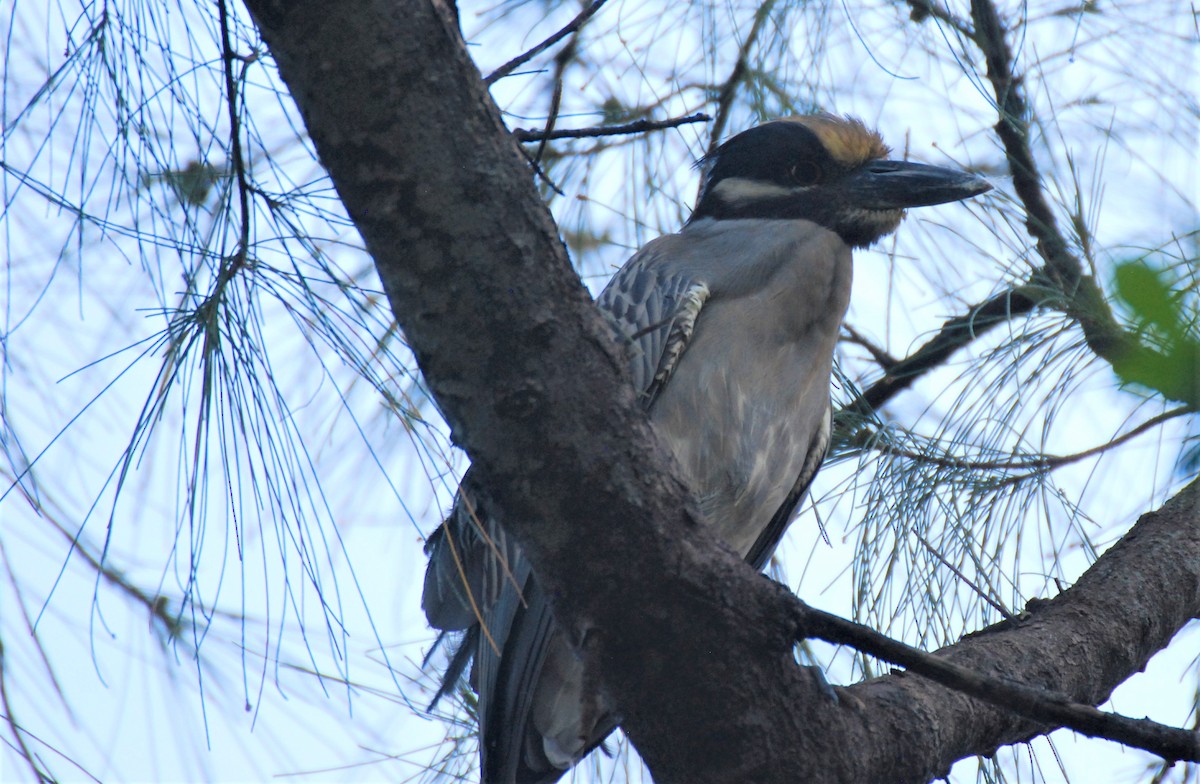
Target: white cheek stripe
(735, 189)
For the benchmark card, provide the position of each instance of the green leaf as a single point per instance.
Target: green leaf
(1165, 353)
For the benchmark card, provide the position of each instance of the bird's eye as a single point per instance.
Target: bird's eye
(804, 173)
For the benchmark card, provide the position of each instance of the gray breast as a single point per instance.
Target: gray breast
(751, 391)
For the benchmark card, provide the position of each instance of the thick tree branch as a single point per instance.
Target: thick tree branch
(1075, 648)
(531, 383)
(693, 647)
(1041, 705)
(1038, 704)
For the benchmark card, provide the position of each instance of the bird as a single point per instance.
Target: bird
(730, 327)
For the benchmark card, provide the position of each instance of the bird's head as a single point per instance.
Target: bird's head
(831, 170)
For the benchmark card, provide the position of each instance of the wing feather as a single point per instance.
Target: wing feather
(653, 311)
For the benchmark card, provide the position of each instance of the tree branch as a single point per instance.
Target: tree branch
(882, 358)
(923, 9)
(1033, 463)
(1127, 606)
(573, 26)
(954, 334)
(1080, 297)
(1046, 707)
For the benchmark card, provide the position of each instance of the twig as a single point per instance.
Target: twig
(1040, 705)
(1013, 131)
(996, 604)
(728, 89)
(881, 357)
(1082, 299)
(521, 59)
(529, 135)
(954, 334)
(228, 57)
(561, 61)
(1059, 283)
(537, 169)
(17, 730)
(1035, 463)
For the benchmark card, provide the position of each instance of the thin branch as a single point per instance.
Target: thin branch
(1167, 742)
(1034, 463)
(561, 61)
(1013, 131)
(535, 161)
(729, 88)
(537, 169)
(1059, 283)
(996, 604)
(954, 334)
(529, 135)
(1082, 298)
(878, 353)
(16, 730)
(157, 605)
(228, 57)
(521, 59)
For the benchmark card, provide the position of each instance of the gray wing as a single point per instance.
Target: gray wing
(479, 583)
(653, 311)
(471, 561)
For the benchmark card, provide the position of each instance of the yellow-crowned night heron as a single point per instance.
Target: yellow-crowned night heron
(731, 326)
